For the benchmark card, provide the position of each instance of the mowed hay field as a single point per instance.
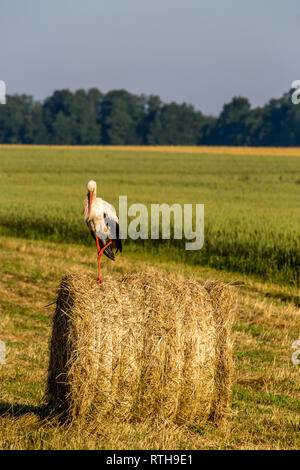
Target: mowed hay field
(252, 199)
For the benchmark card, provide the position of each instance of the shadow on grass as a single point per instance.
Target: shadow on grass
(295, 299)
(17, 410)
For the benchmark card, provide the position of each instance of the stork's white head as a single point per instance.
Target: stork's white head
(91, 186)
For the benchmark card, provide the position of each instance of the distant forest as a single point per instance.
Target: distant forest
(122, 118)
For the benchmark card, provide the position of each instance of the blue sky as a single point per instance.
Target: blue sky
(200, 52)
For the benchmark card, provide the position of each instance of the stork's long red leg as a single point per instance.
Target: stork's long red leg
(99, 256)
(100, 251)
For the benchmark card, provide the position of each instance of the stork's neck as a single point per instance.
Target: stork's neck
(91, 200)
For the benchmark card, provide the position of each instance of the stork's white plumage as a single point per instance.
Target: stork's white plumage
(103, 222)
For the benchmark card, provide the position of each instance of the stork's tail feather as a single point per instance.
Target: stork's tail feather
(119, 245)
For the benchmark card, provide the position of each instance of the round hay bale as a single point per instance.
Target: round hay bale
(146, 346)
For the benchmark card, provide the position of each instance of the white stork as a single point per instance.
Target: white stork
(103, 222)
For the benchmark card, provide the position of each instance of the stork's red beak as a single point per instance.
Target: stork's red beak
(90, 202)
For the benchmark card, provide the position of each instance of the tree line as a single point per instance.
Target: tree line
(122, 118)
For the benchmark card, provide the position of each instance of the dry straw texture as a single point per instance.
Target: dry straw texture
(146, 346)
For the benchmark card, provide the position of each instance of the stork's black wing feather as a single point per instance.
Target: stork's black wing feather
(114, 230)
(119, 241)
